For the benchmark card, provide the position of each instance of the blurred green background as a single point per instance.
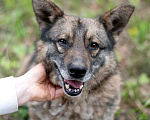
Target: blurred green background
(19, 31)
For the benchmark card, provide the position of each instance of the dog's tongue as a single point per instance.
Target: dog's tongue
(74, 83)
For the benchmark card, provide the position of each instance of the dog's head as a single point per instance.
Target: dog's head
(79, 49)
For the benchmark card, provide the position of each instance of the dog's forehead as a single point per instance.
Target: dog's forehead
(73, 23)
(93, 26)
(87, 23)
(72, 26)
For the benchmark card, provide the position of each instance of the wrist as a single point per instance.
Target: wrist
(22, 87)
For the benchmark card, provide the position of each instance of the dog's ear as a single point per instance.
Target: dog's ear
(46, 12)
(116, 19)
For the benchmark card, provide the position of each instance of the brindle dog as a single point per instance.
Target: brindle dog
(78, 56)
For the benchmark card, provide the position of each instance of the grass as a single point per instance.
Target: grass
(18, 26)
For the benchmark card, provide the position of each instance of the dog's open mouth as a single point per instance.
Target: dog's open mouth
(73, 87)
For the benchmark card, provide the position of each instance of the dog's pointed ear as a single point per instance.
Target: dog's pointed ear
(116, 19)
(46, 12)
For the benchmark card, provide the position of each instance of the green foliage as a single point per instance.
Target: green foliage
(139, 32)
(118, 56)
(105, 4)
(15, 26)
(140, 36)
(22, 114)
(135, 2)
(143, 117)
(132, 92)
(143, 79)
(17, 50)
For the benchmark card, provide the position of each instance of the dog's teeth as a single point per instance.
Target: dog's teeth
(81, 87)
(77, 89)
(69, 89)
(67, 86)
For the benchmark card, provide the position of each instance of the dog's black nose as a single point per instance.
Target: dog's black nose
(76, 71)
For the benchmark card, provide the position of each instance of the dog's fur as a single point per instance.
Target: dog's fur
(88, 44)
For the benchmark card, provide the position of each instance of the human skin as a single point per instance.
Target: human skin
(34, 86)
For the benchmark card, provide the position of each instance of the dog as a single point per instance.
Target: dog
(78, 54)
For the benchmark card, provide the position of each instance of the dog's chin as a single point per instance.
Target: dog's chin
(72, 88)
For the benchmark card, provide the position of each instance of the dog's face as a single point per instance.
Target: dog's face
(79, 48)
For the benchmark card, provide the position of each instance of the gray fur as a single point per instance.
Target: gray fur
(100, 96)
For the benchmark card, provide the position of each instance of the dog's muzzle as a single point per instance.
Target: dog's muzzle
(74, 86)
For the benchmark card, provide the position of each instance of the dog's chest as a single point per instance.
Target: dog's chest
(60, 109)
(87, 109)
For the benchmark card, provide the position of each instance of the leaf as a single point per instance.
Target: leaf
(131, 84)
(143, 79)
(133, 32)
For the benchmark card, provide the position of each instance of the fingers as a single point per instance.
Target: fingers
(59, 93)
(55, 92)
(50, 92)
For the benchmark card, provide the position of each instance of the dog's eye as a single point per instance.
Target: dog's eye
(63, 42)
(93, 46)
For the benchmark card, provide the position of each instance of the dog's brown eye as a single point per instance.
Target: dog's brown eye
(63, 42)
(93, 46)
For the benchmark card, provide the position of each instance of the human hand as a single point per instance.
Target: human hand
(34, 86)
